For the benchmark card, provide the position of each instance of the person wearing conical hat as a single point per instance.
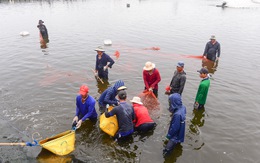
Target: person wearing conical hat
(143, 122)
(103, 62)
(151, 77)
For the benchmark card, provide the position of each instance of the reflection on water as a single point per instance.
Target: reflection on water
(177, 152)
(193, 133)
(210, 65)
(198, 118)
(102, 86)
(46, 156)
(36, 97)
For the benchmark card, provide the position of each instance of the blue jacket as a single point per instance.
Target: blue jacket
(109, 95)
(86, 110)
(176, 132)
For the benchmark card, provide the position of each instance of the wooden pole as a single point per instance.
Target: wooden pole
(98, 77)
(7, 144)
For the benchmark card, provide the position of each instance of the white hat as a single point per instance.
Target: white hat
(213, 37)
(122, 88)
(100, 48)
(149, 66)
(136, 100)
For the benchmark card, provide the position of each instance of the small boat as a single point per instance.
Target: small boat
(223, 5)
(24, 33)
(107, 42)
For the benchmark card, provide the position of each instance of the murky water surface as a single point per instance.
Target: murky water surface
(38, 86)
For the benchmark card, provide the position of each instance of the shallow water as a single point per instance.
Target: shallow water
(38, 86)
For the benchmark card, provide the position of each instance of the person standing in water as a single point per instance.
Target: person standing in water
(212, 49)
(178, 80)
(176, 132)
(151, 77)
(103, 62)
(43, 31)
(203, 89)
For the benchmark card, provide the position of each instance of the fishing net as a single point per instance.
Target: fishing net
(149, 100)
(61, 144)
(117, 54)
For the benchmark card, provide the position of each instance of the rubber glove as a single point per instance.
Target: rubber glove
(79, 124)
(168, 137)
(75, 119)
(105, 67)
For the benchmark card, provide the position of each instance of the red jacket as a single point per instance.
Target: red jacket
(151, 80)
(141, 115)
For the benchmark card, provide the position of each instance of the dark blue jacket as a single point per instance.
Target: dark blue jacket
(109, 95)
(100, 63)
(125, 116)
(176, 132)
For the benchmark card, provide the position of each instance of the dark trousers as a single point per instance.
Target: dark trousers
(201, 106)
(103, 74)
(169, 147)
(155, 92)
(145, 127)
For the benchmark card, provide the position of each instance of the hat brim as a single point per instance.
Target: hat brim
(133, 101)
(121, 88)
(100, 50)
(149, 68)
(199, 71)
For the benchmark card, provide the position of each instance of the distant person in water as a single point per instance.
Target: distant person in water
(223, 5)
(151, 77)
(212, 49)
(43, 31)
(103, 62)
